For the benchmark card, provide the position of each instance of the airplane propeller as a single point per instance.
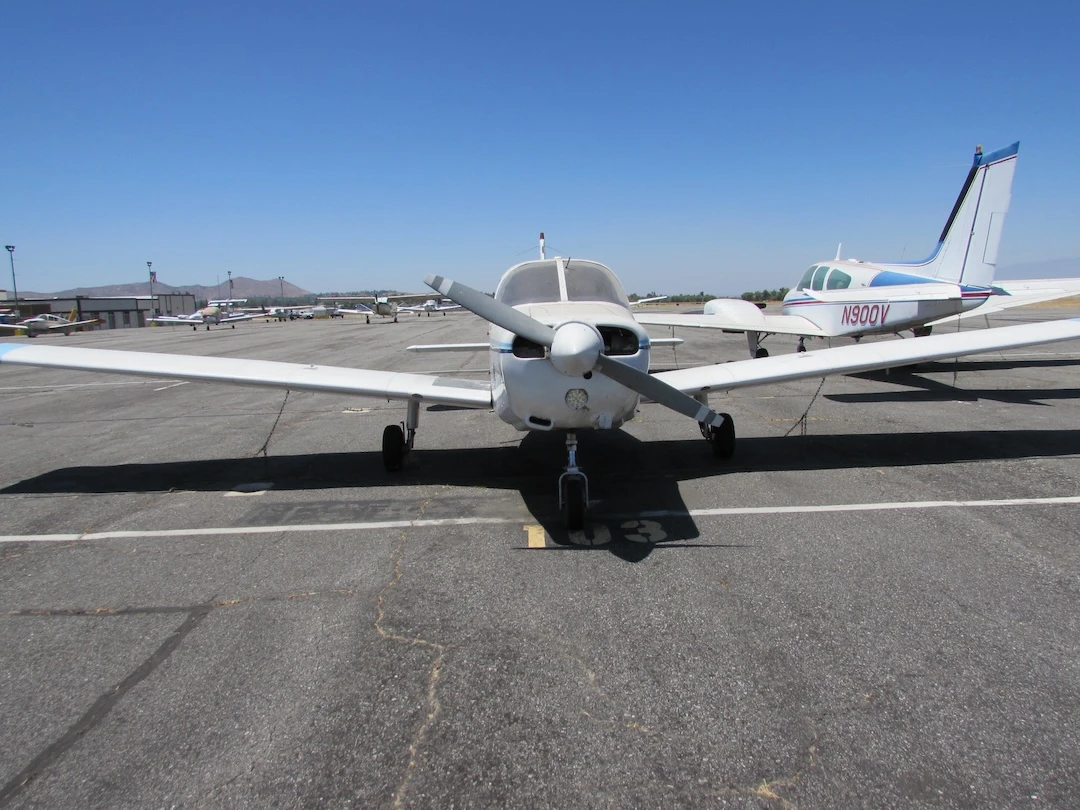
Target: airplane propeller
(575, 348)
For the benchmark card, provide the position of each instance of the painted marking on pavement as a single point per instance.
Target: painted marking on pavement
(537, 536)
(495, 521)
(167, 387)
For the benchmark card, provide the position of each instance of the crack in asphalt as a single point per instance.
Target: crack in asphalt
(434, 706)
(103, 706)
(195, 615)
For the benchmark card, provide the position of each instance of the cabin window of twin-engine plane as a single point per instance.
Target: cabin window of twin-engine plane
(838, 280)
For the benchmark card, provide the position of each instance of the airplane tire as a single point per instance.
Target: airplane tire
(722, 438)
(761, 352)
(393, 447)
(574, 504)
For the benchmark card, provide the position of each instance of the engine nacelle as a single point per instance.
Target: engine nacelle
(741, 314)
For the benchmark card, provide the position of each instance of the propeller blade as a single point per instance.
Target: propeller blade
(493, 311)
(658, 391)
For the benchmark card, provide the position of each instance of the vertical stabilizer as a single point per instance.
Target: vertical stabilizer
(967, 249)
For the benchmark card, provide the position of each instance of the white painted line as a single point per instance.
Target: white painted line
(482, 521)
(167, 387)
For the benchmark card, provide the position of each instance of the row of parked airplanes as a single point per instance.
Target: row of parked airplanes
(568, 352)
(227, 312)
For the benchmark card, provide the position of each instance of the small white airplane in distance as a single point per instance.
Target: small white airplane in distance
(838, 298)
(46, 324)
(214, 314)
(429, 306)
(387, 306)
(565, 354)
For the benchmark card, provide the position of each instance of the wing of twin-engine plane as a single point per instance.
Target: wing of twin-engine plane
(266, 373)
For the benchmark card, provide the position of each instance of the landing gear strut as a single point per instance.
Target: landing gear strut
(397, 440)
(753, 340)
(573, 488)
(722, 439)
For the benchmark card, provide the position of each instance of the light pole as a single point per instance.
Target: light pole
(14, 286)
(230, 286)
(153, 309)
(281, 284)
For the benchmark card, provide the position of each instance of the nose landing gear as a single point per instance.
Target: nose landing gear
(573, 488)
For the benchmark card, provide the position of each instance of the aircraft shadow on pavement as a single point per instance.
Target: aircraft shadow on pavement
(926, 389)
(634, 484)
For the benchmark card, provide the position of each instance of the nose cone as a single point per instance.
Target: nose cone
(576, 348)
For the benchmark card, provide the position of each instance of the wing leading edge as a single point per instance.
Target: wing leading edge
(265, 373)
(865, 357)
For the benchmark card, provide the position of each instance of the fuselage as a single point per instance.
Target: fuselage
(528, 391)
(847, 297)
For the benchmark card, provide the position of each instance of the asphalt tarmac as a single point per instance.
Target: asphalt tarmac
(215, 596)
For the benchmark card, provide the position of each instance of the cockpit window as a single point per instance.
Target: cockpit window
(586, 281)
(838, 280)
(804, 282)
(529, 283)
(538, 283)
(819, 277)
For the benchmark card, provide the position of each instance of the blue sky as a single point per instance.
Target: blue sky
(689, 146)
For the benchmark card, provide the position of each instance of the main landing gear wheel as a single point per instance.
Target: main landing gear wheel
(761, 352)
(393, 447)
(574, 496)
(722, 439)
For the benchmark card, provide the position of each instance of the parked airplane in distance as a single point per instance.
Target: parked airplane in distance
(46, 324)
(215, 313)
(853, 298)
(566, 354)
(429, 306)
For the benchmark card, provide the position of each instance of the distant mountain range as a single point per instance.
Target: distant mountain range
(243, 287)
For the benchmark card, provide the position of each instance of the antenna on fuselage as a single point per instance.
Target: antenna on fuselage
(840, 245)
(543, 254)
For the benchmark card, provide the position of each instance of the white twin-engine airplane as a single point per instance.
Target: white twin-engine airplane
(851, 298)
(46, 324)
(216, 312)
(566, 354)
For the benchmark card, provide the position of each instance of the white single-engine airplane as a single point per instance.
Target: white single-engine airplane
(216, 312)
(429, 306)
(852, 298)
(46, 324)
(566, 354)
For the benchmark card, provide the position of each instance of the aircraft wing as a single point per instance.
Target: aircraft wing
(237, 318)
(864, 356)
(172, 319)
(772, 324)
(648, 300)
(266, 373)
(70, 324)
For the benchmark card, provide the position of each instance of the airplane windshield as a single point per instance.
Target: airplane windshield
(586, 281)
(804, 282)
(529, 283)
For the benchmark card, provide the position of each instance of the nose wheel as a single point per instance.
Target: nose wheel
(573, 488)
